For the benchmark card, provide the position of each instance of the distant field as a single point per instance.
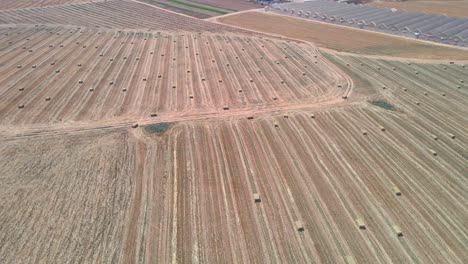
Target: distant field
(234, 5)
(446, 7)
(339, 38)
(202, 9)
(189, 8)
(14, 4)
(111, 14)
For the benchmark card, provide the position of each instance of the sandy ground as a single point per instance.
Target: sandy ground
(445, 7)
(340, 38)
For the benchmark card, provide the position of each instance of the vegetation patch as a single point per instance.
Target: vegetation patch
(157, 128)
(382, 104)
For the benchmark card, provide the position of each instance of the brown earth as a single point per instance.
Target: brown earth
(340, 38)
(445, 7)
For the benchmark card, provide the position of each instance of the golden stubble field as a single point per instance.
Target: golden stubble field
(360, 160)
(328, 169)
(53, 75)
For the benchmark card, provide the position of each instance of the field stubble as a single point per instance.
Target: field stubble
(96, 190)
(71, 74)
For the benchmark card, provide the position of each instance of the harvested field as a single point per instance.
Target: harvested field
(17, 4)
(352, 162)
(340, 38)
(444, 7)
(233, 5)
(102, 75)
(433, 95)
(322, 172)
(189, 8)
(111, 14)
(160, 138)
(66, 199)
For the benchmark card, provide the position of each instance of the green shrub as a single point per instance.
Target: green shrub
(382, 104)
(157, 128)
